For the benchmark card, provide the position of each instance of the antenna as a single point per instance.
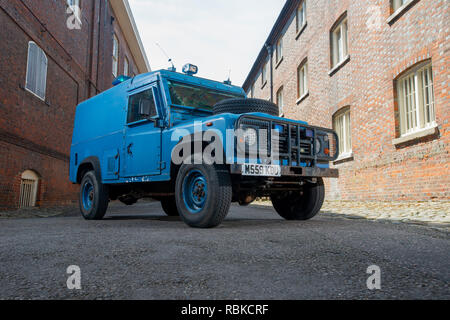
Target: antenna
(172, 68)
(229, 78)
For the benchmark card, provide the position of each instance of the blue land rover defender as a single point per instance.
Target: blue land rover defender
(125, 139)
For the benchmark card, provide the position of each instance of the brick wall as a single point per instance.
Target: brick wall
(35, 134)
(379, 52)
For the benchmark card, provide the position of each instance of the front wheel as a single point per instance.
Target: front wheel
(94, 197)
(203, 195)
(300, 205)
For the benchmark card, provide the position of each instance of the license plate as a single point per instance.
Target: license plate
(261, 170)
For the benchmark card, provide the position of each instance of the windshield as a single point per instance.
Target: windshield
(197, 97)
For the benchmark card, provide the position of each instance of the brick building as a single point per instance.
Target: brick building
(53, 56)
(377, 72)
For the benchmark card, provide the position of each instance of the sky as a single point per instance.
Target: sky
(216, 35)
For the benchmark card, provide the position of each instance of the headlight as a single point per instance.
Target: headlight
(250, 136)
(318, 145)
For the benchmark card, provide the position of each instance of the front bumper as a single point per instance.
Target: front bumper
(308, 172)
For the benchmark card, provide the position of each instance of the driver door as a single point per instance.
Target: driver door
(142, 148)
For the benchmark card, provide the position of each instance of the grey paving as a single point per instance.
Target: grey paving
(139, 253)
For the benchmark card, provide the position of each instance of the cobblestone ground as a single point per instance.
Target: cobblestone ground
(428, 212)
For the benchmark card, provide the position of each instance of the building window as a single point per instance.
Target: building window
(302, 79)
(72, 3)
(339, 42)
(416, 99)
(301, 16)
(397, 4)
(279, 50)
(342, 126)
(115, 57)
(264, 74)
(126, 67)
(36, 79)
(28, 189)
(280, 102)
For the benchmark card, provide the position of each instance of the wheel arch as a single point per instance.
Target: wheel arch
(174, 168)
(89, 164)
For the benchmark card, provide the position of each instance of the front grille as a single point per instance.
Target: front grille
(296, 145)
(293, 149)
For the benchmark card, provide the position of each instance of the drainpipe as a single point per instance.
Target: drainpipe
(270, 52)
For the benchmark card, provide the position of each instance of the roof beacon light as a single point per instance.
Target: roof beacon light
(120, 79)
(190, 69)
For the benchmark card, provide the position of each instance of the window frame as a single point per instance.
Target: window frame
(115, 56)
(303, 65)
(413, 117)
(398, 7)
(39, 53)
(279, 51)
(339, 47)
(264, 74)
(301, 8)
(345, 141)
(126, 66)
(153, 89)
(280, 93)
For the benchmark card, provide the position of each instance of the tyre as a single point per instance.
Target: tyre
(169, 205)
(203, 194)
(94, 197)
(300, 205)
(239, 106)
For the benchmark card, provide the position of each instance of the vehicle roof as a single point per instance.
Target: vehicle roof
(184, 78)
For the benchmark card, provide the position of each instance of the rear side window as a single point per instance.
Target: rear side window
(135, 103)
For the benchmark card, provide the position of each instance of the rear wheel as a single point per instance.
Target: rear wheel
(304, 205)
(94, 197)
(203, 195)
(169, 206)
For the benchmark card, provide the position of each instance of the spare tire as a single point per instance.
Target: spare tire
(239, 106)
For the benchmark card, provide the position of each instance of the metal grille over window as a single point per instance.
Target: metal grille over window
(28, 189)
(36, 80)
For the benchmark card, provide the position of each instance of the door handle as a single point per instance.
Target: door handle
(129, 148)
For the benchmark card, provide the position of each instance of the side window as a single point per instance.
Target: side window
(141, 106)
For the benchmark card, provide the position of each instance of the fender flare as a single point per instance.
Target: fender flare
(174, 168)
(95, 163)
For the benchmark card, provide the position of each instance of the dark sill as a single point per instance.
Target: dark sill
(400, 11)
(299, 32)
(303, 97)
(278, 63)
(344, 159)
(263, 85)
(415, 137)
(339, 66)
